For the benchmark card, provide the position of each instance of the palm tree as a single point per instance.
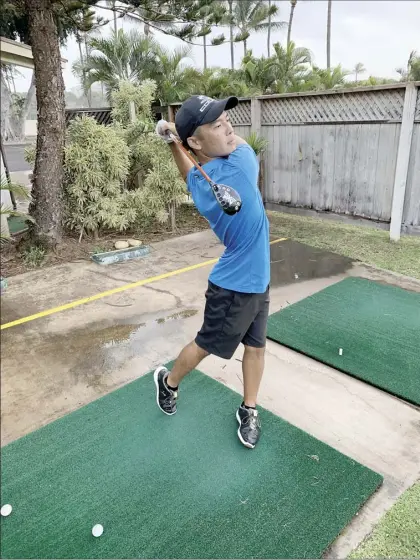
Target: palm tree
(217, 82)
(123, 56)
(412, 72)
(171, 75)
(292, 66)
(414, 64)
(329, 34)
(330, 78)
(292, 11)
(252, 15)
(258, 73)
(213, 13)
(85, 31)
(231, 26)
(111, 5)
(358, 69)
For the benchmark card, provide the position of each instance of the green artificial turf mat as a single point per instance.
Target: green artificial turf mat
(376, 326)
(175, 487)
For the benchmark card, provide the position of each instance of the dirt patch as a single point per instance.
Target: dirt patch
(14, 261)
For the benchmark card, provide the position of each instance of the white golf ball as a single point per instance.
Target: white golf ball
(6, 510)
(340, 352)
(97, 530)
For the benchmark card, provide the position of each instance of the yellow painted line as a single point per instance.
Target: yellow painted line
(112, 292)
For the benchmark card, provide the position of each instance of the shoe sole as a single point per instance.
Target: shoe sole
(245, 443)
(156, 380)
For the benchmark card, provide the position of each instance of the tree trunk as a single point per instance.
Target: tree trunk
(89, 91)
(79, 42)
(245, 47)
(292, 12)
(115, 18)
(329, 35)
(46, 205)
(205, 51)
(232, 50)
(82, 62)
(269, 31)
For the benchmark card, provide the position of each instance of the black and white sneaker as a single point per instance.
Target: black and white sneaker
(249, 430)
(165, 396)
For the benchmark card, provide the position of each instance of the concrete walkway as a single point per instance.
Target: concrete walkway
(57, 364)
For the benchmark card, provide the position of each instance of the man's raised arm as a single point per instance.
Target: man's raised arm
(184, 165)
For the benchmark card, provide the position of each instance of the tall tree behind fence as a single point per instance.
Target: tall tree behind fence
(354, 152)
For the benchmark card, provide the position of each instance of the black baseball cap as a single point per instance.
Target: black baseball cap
(198, 110)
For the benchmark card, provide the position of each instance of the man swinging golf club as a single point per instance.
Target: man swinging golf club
(237, 297)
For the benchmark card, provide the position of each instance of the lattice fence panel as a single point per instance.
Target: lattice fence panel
(102, 116)
(241, 114)
(379, 105)
(417, 113)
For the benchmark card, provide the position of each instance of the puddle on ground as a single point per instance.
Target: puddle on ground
(181, 315)
(92, 353)
(294, 262)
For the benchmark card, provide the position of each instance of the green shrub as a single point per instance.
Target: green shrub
(30, 153)
(118, 176)
(152, 169)
(257, 143)
(34, 256)
(96, 167)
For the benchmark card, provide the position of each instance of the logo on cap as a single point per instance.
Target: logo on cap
(204, 102)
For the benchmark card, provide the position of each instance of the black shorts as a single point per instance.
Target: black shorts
(231, 318)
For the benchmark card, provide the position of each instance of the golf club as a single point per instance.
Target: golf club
(228, 199)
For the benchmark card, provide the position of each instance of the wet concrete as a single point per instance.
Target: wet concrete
(292, 262)
(55, 365)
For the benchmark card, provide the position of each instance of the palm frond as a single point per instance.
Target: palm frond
(15, 188)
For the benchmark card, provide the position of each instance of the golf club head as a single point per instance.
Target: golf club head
(227, 197)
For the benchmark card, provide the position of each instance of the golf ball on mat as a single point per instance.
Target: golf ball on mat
(6, 510)
(340, 351)
(97, 530)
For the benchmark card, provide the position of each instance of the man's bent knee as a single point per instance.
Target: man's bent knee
(254, 350)
(200, 351)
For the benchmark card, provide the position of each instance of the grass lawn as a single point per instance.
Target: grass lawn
(371, 246)
(397, 535)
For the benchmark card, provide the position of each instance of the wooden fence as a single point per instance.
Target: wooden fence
(354, 152)
(350, 151)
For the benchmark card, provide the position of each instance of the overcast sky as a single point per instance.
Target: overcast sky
(380, 34)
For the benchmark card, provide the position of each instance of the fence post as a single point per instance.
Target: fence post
(256, 127)
(171, 114)
(256, 116)
(403, 160)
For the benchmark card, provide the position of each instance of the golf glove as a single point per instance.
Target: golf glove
(163, 131)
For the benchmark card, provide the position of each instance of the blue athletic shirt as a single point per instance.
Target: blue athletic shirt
(245, 264)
